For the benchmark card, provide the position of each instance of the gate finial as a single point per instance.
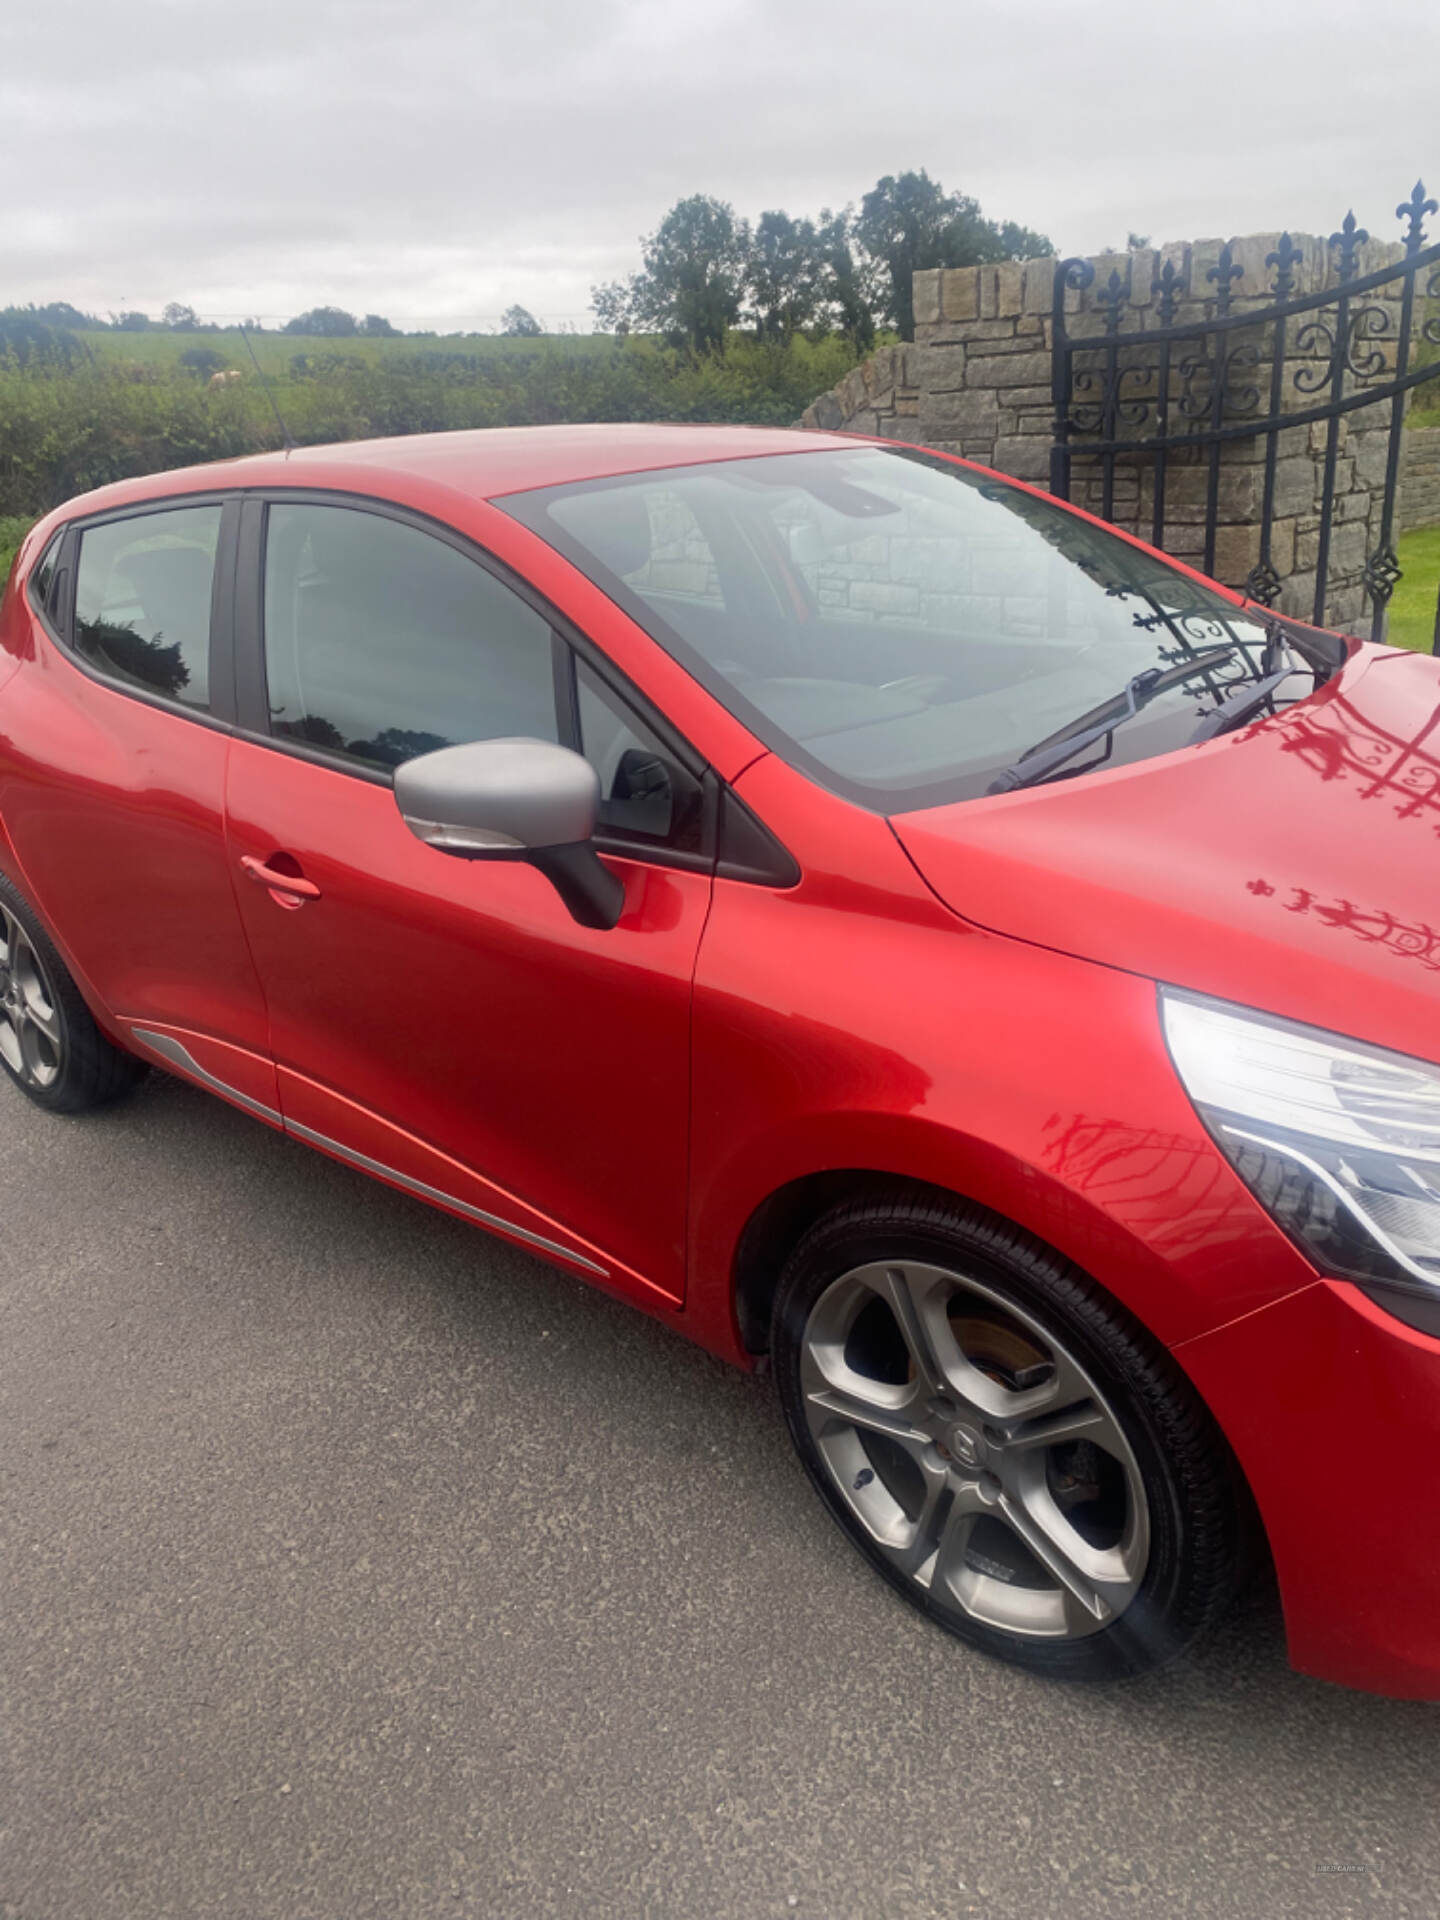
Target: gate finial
(1284, 259)
(1413, 212)
(1170, 285)
(1349, 240)
(1222, 273)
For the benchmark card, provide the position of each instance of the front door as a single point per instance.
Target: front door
(446, 1023)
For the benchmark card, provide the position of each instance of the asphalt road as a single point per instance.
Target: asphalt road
(355, 1564)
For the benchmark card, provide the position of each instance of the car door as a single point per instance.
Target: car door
(441, 1022)
(112, 783)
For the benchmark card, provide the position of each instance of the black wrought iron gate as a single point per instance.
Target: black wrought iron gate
(1135, 397)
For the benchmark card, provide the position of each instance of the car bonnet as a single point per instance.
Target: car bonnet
(1292, 866)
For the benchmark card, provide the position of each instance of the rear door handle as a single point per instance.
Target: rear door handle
(287, 884)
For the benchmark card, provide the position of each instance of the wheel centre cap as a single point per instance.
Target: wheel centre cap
(965, 1446)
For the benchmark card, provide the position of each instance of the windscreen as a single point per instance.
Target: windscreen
(899, 627)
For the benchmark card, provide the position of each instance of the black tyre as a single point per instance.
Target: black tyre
(49, 1044)
(1003, 1442)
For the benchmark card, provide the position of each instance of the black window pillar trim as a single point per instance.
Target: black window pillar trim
(567, 694)
(62, 594)
(222, 616)
(251, 699)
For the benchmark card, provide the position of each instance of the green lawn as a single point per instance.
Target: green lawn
(275, 351)
(1412, 610)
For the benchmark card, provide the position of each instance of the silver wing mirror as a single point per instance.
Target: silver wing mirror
(515, 800)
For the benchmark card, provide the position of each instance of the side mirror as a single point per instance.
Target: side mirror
(515, 800)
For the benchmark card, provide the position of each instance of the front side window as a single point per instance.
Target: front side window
(901, 628)
(43, 574)
(142, 601)
(645, 795)
(383, 643)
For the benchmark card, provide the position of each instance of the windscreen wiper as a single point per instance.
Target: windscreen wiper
(1052, 752)
(1239, 708)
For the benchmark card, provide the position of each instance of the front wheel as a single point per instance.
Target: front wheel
(1002, 1442)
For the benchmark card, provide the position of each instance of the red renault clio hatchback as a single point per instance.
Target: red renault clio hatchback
(852, 906)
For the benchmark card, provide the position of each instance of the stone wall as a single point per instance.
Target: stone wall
(1420, 480)
(977, 382)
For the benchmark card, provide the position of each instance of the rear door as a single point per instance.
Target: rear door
(112, 781)
(446, 1023)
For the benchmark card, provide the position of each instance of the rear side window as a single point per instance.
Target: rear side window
(142, 601)
(382, 642)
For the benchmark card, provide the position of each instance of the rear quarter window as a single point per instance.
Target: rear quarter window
(142, 601)
(44, 575)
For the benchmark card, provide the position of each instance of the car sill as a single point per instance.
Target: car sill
(177, 1055)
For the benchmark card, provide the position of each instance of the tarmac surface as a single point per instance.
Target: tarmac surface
(353, 1563)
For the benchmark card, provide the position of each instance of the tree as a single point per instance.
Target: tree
(518, 323)
(850, 280)
(692, 279)
(202, 361)
(180, 319)
(322, 320)
(132, 322)
(378, 327)
(785, 275)
(610, 304)
(60, 313)
(909, 222)
(33, 341)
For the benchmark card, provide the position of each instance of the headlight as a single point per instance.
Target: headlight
(1338, 1141)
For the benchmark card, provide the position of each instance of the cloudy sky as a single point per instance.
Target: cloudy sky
(435, 160)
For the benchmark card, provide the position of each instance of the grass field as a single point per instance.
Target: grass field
(1412, 610)
(106, 407)
(276, 351)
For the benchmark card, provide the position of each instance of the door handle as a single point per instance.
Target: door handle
(279, 883)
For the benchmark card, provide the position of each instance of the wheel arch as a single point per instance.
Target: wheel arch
(781, 1220)
(14, 872)
(778, 1224)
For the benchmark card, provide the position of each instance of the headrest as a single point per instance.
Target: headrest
(613, 523)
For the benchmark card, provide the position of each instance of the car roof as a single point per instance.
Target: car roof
(483, 463)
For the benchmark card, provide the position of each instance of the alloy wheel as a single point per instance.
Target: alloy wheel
(975, 1450)
(32, 1037)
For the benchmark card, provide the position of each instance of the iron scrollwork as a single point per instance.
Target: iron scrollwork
(1201, 367)
(1240, 400)
(1382, 574)
(1263, 583)
(1317, 338)
(1368, 323)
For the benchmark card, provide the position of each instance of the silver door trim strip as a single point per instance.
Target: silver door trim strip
(180, 1056)
(445, 1199)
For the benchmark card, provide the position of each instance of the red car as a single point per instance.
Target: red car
(880, 921)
